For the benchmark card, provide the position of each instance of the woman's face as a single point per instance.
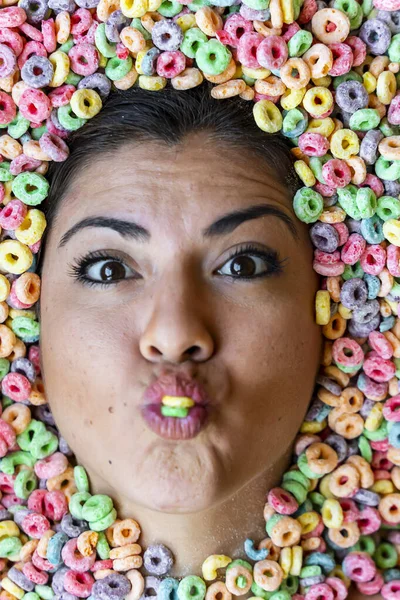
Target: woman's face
(243, 327)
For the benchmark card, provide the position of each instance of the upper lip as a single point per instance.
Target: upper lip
(175, 385)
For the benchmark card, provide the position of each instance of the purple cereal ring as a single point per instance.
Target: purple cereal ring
(151, 585)
(37, 72)
(158, 559)
(359, 329)
(12, 16)
(54, 127)
(87, 3)
(8, 61)
(391, 18)
(12, 39)
(20, 579)
(115, 24)
(366, 312)
(369, 146)
(377, 35)
(328, 383)
(393, 115)
(167, 35)
(366, 497)
(273, 52)
(24, 366)
(111, 587)
(98, 82)
(68, 6)
(354, 293)
(351, 96)
(339, 444)
(57, 582)
(236, 25)
(392, 188)
(84, 59)
(36, 10)
(250, 14)
(324, 237)
(54, 146)
(73, 527)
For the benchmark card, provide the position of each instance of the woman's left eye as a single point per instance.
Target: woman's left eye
(251, 263)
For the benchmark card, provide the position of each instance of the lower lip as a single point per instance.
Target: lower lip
(175, 428)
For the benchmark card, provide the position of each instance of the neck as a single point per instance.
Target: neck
(192, 537)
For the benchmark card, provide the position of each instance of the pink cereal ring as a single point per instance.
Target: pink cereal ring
(23, 163)
(62, 95)
(51, 466)
(78, 584)
(307, 12)
(338, 586)
(374, 183)
(379, 369)
(31, 49)
(393, 260)
(347, 352)
(380, 459)
(359, 567)
(13, 299)
(7, 483)
(380, 344)
(49, 35)
(74, 559)
(247, 49)
(342, 59)
(235, 26)
(319, 591)
(54, 147)
(36, 501)
(327, 258)
(35, 525)
(324, 190)
(391, 590)
(99, 565)
(16, 386)
(288, 31)
(8, 109)
(387, 4)
(84, 59)
(7, 437)
(170, 64)
(123, 52)
(224, 37)
(13, 214)
(313, 144)
(373, 259)
(393, 114)
(332, 270)
(391, 409)
(353, 249)
(282, 501)
(12, 39)
(31, 32)
(81, 21)
(358, 48)
(41, 563)
(382, 446)
(381, 474)
(12, 16)
(273, 52)
(10, 500)
(34, 105)
(336, 173)
(350, 510)
(35, 574)
(342, 231)
(369, 521)
(56, 505)
(34, 357)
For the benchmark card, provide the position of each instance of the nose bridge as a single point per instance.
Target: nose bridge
(176, 327)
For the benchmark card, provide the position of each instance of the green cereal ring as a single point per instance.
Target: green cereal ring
(302, 463)
(68, 118)
(81, 479)
(31, 596)
(32, 430)
(249, 80)
(366, 202)
(257, 4)
(191, 588)
(317, 499)
(24, 327)
(306, 506)
(10, 546)
(296, 489)
(350, 76)
(365, 448)
(7, 401)
(137, 24)
(241, 563)
(394, 48)
(103, 548)
(197, 4)
(310, 571)
(349, 7)
(300, 43)
(365, 119)
(25, 482)
(44, 445)
(367, 6)
(352, 271)
(105, 522)
(351, 370)
(66, 47)
(378, 434)
(38, 132)
(4, 369)
(290, 584)
(281, 595)
(212, 57)
(169, 8)
(108, 49)
(357, 20)
(366, 543)
(77, 502)
(73, 78)
(258, 591)
(97, 507)
(270, 524)
(192, 40)
(294, 123)
(308, 205)
(347, 198)
(31, 188)
(18, 127)
(387, 129)
(297, 476)
(174, 411)
(5, 174)
(117, 68)
(387, 169)
(9, 462)
(388, 208)
(44, 591)
(316, 164)
(385, 556)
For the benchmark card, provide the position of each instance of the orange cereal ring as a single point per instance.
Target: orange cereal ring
(321, 458)
(330, 26)
(37, 396)
(126, 532)
(229, 89)
(274, 551)
(137, 582)
(27, 550)
(224, 76)
(268, 575)
(389, 508)
(64, 482)
(363, 467)
(345, 536)
(335, 328)
(208, 20)
(327, 397)
(127, 563)
(124, 551)
(337, 375)
(7, 341)
(218, 591)
(18, 351)
(333, 287)
(270, 86)
(350, 426)
(268, 512)
(351, 400)
(295, 73)
(286, 532)
(319, 59)
(27, 288)
(18, 416)
(87, 542)
(326, 358)
(344, 481)
(4, 311)
(231, 580)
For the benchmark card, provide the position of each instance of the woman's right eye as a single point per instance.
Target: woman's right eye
(103, 270)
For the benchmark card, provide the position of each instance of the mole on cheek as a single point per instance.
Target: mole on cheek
(111, 409)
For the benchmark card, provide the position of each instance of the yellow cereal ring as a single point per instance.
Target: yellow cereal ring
(322, 307)
(60, 61)
(344, 143)
(154, 83)
(178, 401)
(32, 227)
(292, 98)
(212, 564)
(317, 101)
(86, 103)
(391, 231)
(12, 588)
(267, 116)
(332, 513)
(15, 257)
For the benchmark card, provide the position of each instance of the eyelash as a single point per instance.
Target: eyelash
(275, 264)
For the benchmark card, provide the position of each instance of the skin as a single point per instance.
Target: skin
(257, 345)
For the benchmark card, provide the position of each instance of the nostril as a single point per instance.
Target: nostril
(155, 351)
(193, 350)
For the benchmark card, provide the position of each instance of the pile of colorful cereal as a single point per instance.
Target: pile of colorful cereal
(326, 77)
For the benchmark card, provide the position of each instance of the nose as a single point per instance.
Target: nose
(177, 330)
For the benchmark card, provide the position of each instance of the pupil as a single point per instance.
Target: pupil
(243, 265)
(111, 271)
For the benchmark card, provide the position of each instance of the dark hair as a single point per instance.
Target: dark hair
(137, 115)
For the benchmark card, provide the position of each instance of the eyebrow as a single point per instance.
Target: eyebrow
(222, 226)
